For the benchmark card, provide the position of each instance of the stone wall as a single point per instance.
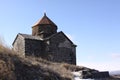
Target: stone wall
(34, 31)
(34, 48)
(61, 49)
(101, 75)
(18, 45)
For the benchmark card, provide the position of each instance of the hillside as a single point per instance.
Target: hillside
(16, 67)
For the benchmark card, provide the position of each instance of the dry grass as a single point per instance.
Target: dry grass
(6, 65)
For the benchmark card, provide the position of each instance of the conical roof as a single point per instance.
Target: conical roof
(44, 20)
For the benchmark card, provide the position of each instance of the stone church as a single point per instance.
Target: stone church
(46, 42)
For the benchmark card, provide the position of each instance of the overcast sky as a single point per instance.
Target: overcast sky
(93, 25)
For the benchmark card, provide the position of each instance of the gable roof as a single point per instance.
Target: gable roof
(62, 34)
(27, 36)
(45, 20)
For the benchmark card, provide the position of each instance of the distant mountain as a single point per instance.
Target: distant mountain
(115, 72)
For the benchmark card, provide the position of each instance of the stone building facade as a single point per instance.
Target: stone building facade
(46, 42)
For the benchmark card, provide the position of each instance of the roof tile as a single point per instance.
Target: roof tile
(44, 20)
